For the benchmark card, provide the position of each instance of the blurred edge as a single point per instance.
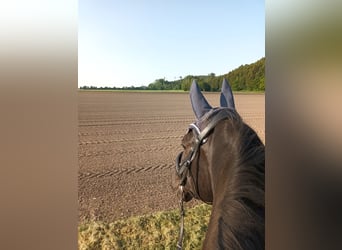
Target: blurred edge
(38, 103)
(303, 124)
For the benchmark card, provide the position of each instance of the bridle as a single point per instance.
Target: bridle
(183, 167)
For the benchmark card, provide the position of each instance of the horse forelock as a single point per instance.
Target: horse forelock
(203, 121)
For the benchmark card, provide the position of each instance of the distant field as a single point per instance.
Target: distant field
(166, 91)
(128, 142)
(138, 91)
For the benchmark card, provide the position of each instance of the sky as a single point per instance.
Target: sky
(134, 42)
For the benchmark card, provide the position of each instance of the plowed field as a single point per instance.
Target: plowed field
(128, 142)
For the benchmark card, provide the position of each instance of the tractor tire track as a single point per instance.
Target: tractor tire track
(128, 151)
(128, 140)
(129, 132)
(139, 122)
(115, 172)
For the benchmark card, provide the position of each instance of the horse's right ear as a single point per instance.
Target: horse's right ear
(226, 98)
(200, 106)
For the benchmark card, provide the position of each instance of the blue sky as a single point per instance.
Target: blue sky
(134, 42)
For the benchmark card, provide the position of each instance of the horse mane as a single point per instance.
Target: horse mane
(241, 224)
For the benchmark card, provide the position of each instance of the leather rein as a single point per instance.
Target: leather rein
(183, 167)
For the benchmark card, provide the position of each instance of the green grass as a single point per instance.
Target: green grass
(156, 231)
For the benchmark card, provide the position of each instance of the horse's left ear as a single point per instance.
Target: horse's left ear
(200, 105)
(226, 98)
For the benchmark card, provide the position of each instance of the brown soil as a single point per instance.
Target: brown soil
(128, 142)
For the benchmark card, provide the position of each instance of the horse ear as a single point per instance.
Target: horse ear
(200, 106)
(226, 98)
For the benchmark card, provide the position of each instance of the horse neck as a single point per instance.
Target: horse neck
(237, 218)
(234, 225)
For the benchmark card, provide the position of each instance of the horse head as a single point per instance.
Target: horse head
(192, 164)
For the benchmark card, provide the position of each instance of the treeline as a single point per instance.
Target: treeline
(115, 88)
(248, 77)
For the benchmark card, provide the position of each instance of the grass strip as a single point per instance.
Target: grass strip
(155, 231)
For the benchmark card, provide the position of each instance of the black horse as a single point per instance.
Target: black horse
(223, 164)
